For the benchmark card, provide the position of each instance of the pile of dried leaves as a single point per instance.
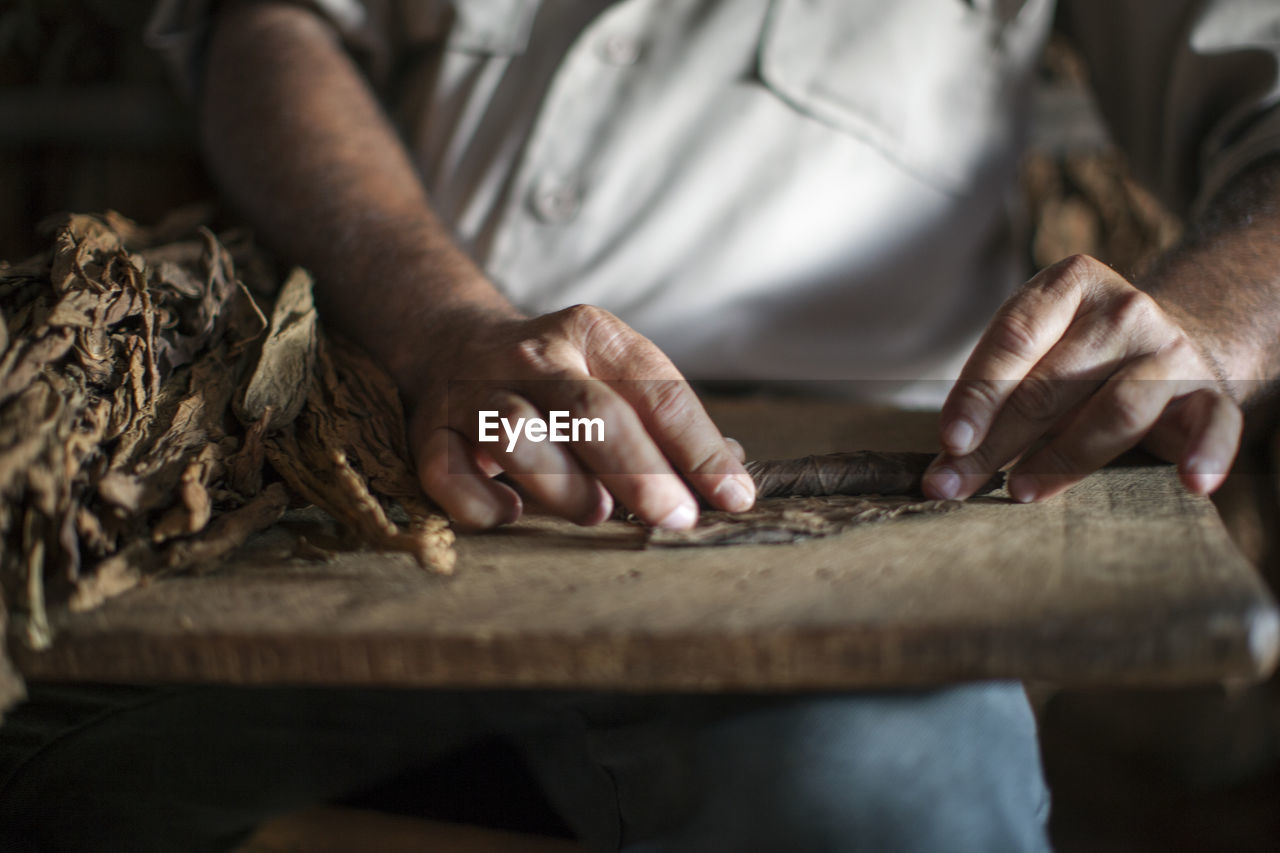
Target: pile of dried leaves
(152, 417)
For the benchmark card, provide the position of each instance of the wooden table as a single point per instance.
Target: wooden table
(1125, 579)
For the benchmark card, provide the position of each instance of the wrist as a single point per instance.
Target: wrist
(1235, 364)
(415, 324)
(439, 342)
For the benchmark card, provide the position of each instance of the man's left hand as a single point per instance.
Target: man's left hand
(1093, 365)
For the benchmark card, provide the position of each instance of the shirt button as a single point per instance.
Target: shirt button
(618, 49)
(556, 204)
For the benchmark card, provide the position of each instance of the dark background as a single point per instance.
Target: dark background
(88, 118)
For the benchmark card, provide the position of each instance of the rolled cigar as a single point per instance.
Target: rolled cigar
(859, 472)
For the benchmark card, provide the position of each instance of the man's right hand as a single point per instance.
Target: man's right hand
(658, 440)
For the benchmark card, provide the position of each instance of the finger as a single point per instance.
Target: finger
(547, 471)
(1216, 427)
(604, 498)
(674, 416)
(486, 463)
(1068, 417)
(667, 407)
(736, 450)
(670, 411)
(625, 458)
(1114, 420)
(1024, 329)
(1088, 352)
(449, 475)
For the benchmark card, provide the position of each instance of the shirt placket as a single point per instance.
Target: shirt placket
(553, 182)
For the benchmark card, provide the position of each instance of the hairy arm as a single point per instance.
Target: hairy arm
(299, 143)
(1222, 281)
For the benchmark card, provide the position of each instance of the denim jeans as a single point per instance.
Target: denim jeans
(193, 769)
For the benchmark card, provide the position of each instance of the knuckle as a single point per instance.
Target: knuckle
(606, 339)
(531, 352)
(583, 316)
(1076, 273)
(592, 396)
(543, 353)
(981, 394)
(1133, 312)
(1073, 280)
(1037, 398)
(594, 326)
(668, 403)
(1122, 405)
(583, 397)
(1016, 333)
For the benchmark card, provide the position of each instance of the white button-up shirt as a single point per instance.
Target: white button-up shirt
(782, 189)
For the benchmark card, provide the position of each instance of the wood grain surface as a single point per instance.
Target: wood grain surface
(1125, 579)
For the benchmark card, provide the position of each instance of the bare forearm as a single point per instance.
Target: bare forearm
(299, 143)
(1222, 282)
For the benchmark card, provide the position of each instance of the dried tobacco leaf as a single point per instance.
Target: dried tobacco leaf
(346, 413)
(278, 387)
(229, 531)
(122, 350)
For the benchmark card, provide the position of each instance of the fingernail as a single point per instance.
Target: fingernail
(958, 436)
(1201, 466)
(944, 482)
(1022, 488)
(683, 517)
(734, 495)
(1202, 472)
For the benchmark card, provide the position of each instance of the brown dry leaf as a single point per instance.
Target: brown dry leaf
(112, 577)
(228, 532)
(278, 387)
(25, 359)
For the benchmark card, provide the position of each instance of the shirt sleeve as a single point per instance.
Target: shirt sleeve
(371, 30)
(1190, 88)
